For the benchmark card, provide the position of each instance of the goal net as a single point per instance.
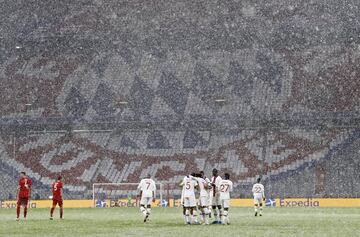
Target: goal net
(122, 195)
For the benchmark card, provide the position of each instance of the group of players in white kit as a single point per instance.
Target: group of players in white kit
(213, 197)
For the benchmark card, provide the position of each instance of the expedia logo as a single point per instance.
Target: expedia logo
(299, 203)
(13, 204)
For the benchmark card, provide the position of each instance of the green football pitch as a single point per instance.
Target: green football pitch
(169, 222)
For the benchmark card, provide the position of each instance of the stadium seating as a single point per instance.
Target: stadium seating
(287, 161)
(261, 58)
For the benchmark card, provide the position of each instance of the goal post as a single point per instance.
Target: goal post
(121, 195)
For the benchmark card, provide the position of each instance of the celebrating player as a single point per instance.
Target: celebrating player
(204, 197)
(24, 194)
(189, 184)
(259, 196)
(57, 199)
(215, 196)
(226, 186)
(147, 190)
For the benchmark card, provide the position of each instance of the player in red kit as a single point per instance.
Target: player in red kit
(24, 194)
(57, 187)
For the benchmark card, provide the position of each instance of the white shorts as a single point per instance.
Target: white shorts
(225, 203)
(258, 198)
(215, 201)
(146, 201)
(203, 201)
(189, 202)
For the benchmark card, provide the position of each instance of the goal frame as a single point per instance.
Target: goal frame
(161, 189)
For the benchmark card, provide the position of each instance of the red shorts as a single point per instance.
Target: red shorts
(57, 202)
(23, 201)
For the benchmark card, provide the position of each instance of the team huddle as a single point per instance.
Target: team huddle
(213, 194)
(209, 197)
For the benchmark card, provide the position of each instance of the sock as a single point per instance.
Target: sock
(61, 212)
(187, 216)
(202, 215)
(206, 212)
(194, 216)
(256, 208)
(261, 210)
(216, 214)
(225, 217)
(52, 211)
(148, 211)
(18, 211)
(222, 217)
(25, 210)
(143, 210)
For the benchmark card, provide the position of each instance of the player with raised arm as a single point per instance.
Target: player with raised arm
(259, 196)
(189, 184)
(24, 194)
(215, 196)
(146, 190)
(204, 197)
(57, 198)
(226, 186)
(202, 173)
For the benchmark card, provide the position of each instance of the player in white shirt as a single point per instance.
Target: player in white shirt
(208, 191)
(215, 196)
(146, 189)
(189, 183)
(182, 199)
(203, 185)
(259, 196)
(226, 186)
(182, 185)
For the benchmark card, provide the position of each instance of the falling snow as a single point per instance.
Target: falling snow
(255, 88)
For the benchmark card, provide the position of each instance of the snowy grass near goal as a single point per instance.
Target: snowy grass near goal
(169, 222)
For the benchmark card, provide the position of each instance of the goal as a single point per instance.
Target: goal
(121, 195)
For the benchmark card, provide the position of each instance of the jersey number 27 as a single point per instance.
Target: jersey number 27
(224, 188)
